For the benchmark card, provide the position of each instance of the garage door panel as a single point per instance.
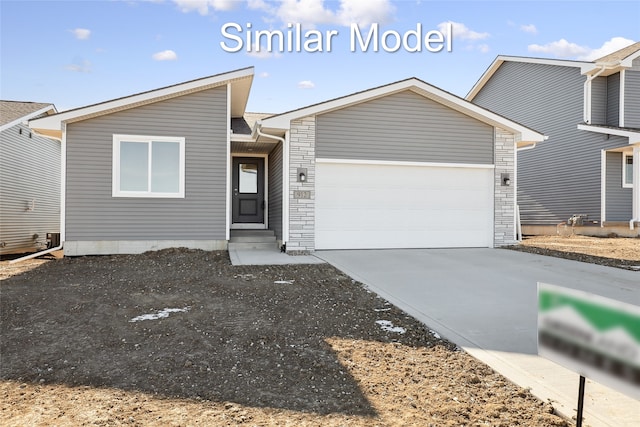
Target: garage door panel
(381, 206)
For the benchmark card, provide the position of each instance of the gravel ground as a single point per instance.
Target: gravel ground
(181, 337)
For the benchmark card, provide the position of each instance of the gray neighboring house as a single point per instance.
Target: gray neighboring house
(590, 165)
(405, 165)
(29, 179)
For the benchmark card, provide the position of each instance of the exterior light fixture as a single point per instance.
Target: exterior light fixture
(302, 175)
(505, 179)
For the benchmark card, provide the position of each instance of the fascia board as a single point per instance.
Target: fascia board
(634, 137)
(29, 116)
(55, 122)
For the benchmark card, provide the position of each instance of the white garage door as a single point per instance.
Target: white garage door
(365, 206)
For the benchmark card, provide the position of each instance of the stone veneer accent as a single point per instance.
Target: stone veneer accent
(504, 200)
(302, 154)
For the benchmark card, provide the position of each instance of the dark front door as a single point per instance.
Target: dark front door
(248, 190)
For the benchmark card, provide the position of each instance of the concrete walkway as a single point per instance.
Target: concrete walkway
(485, 300)
(242, 256)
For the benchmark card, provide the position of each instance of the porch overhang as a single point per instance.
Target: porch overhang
(632, 134)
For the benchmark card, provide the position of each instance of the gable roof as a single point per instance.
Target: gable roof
(240, 81)
(15, 112)
(281, 122)
(501, 59)
(630, 52)
(611, 63)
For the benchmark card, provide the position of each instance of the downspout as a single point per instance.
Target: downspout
(285, 173)
(587, 95)
(63, 155)
(635, 197)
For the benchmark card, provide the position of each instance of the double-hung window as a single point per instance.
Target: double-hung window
(148, 166)
(627, 170)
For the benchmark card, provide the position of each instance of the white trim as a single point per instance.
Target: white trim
(29, 117)
(635, 198)
(63, 185)
(265, 220)
(625, 156)
(228, 220)
(400, 163)
(486, 76)
(115, 177)
(634, 136)
(54, 122)
(621, 100)
(285, 188)
(603, 187)
(526, 135)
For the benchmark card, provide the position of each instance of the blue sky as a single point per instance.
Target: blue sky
(76, 53)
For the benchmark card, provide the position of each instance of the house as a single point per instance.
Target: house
(589, 168)
(29, 179)
(406, 165)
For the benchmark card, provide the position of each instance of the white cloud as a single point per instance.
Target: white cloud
(81, 33)
(560, 48)
(306, 84)
(202, 6)
(165, 55)
(263, 75)
(565, 49)
(610, 46)
(531, 29)
(462, 32)
(484, 48)
(81, 66)
(365, 12)
(261, 52)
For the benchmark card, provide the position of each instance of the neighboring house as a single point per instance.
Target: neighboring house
(405, 165)
(590, 165)
(29, 179)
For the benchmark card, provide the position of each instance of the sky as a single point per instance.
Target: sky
(77, 53)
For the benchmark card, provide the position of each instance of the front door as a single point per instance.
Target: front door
(248, 190)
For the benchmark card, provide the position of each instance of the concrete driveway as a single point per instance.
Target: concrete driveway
(485, 300)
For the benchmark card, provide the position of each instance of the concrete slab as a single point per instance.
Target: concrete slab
(485, 300)
(243, 256)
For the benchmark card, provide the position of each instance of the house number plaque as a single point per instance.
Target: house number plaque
(300, 194)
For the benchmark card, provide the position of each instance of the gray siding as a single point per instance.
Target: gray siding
(275, 190)
(94, 215)
(403, 127)
(561, 176)
(29, 171)
(613, 99)
(599, 101)
(618, 199)
(632, 99)
(635, 64)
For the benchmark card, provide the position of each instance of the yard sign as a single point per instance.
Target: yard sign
(596, 337)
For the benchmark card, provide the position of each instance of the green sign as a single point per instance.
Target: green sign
(597, 337)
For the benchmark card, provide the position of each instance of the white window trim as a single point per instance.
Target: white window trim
(116, 192)
(625, 184)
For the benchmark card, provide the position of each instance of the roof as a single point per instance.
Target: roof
(14, 112)
(501, 59)
(613, 62)
(621, 55)
(632, 133)
(240, 81)
(280, 122)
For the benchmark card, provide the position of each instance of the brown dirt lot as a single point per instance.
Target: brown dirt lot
(615, 252)
(264, 346)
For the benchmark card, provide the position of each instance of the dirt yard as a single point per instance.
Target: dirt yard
(179, 337)
(615, 252)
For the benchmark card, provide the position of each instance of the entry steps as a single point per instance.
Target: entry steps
(253, 239)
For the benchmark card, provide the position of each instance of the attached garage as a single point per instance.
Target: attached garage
(406, 165)
(372, 206)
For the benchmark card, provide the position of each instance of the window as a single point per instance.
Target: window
(148, 166)
(627, 170)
